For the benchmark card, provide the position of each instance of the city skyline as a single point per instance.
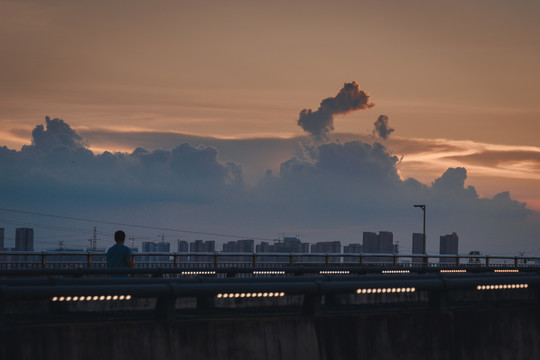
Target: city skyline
(326, 120)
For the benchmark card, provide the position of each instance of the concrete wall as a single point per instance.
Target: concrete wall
(492, 333)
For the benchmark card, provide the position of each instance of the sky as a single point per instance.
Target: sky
(254, 119)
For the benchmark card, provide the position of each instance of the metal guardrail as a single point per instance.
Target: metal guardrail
(47, 259)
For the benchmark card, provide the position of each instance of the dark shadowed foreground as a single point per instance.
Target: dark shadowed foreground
(489, 333)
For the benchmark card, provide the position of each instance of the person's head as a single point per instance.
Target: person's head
(119, 237)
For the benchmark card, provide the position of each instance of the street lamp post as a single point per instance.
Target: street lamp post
(423, 207)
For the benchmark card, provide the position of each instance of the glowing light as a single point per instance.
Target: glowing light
(502, 286)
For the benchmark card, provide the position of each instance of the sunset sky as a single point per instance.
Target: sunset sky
(458, 82)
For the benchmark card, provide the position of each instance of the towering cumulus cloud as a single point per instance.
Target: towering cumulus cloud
(319, 123)
(382, 129)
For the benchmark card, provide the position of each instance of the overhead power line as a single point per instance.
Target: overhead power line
(134, 225)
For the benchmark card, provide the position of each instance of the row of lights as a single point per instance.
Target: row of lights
(506, 270)
(334, 272)
(250, 295)
(198, 272)
(385, 290)
(502, 287)
(269, 272)
(453, 271)
(396, 271)
(91, 298)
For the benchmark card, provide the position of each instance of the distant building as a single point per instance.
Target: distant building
(352, 249)
(2, 239)
(448, 246)
(247, 246)
(148, 247)
(182, 246)
(202, 246)
(378, 244)
(290, 244)
(327, 247)
(263, 247)
(152, 247)
(24, 239)
(370, 242)
(418, 247)
(386, 242)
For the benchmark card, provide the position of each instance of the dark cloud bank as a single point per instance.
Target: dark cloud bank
(341, 190)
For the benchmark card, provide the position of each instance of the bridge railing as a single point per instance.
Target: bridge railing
(89, 259)
(60, 259)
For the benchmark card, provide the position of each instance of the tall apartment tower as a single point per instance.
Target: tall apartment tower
(376, 244)
(183, 246)
(448, 246)
(418, 247)
(2, 247)
(370, 242)
(386, 242)
(24, 239)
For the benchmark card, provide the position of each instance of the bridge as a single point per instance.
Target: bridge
(263, 310)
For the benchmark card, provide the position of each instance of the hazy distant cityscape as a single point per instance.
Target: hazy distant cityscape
(372, 243)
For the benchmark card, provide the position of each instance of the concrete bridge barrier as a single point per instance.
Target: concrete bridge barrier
(490, 333)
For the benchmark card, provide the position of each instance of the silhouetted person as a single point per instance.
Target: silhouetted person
(119, 255)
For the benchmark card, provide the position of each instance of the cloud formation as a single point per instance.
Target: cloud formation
(382, 129)
(58, 165)
(341, 189)
(319, 123)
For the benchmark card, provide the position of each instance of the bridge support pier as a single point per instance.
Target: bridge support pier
(438, 300)
(312, 304)
(165, 309)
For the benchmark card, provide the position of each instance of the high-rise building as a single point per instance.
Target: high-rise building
(246, 246)
(148, 247)
(386, 242)
(378, 244)
(352, 249)
(327, 247)
(290, 244)
(182, 246)
(24, 239)
(370, 242)
(202, 246)
(448, 246)
(418, 247)
(163, 247)
(2, 239)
